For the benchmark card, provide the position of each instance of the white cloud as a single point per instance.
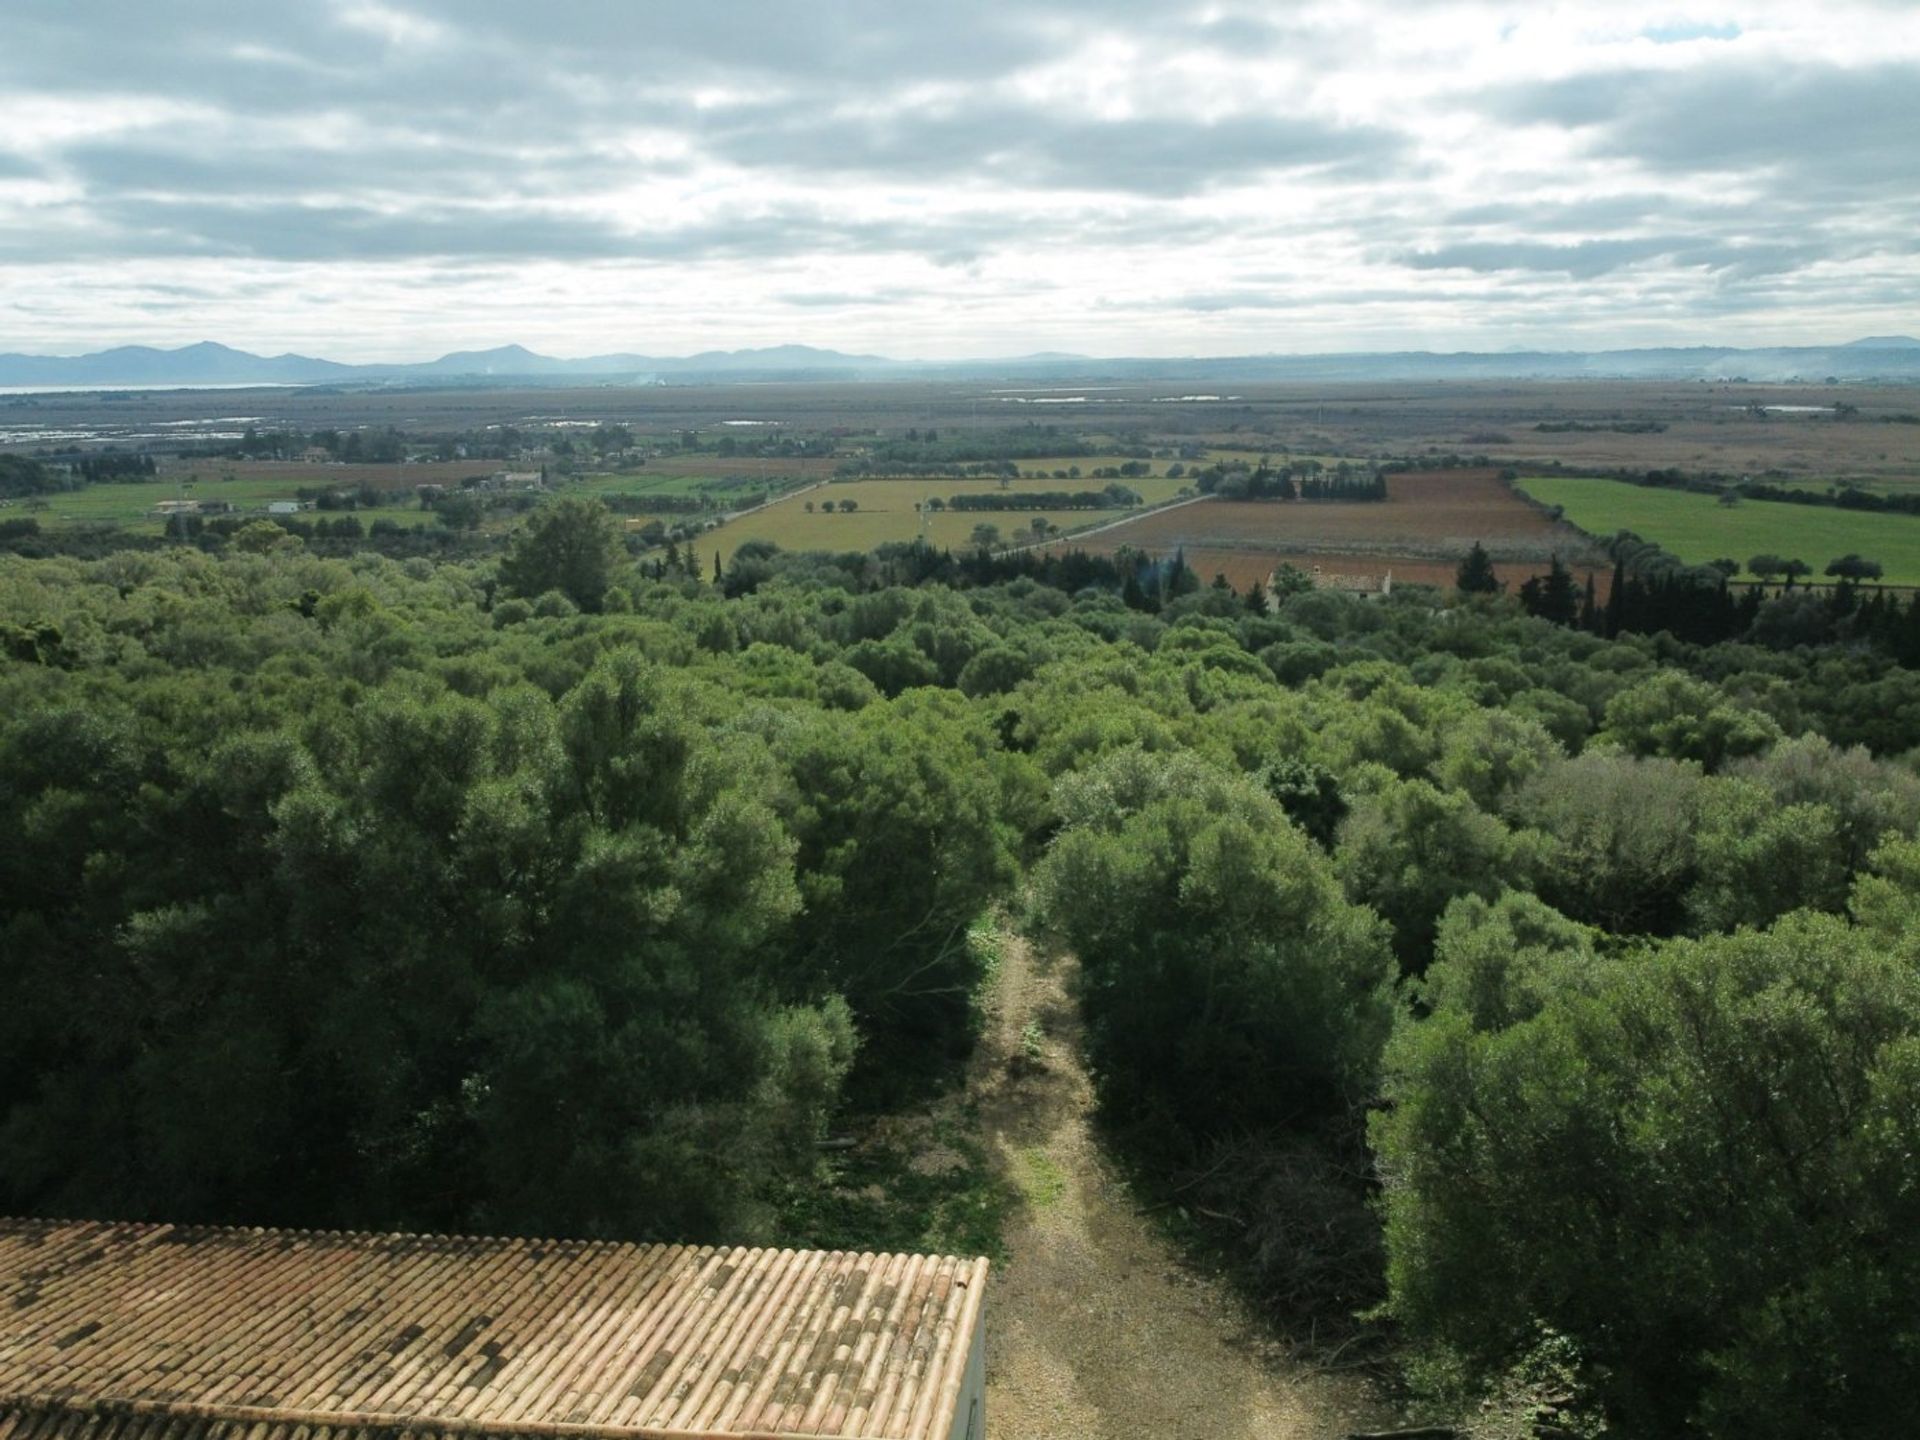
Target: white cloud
(391, 180)
(395, 26)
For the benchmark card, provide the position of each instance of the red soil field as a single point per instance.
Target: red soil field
(1429, 520)
(1243, 567)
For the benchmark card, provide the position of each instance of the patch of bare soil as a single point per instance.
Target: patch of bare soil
(1095, 1327)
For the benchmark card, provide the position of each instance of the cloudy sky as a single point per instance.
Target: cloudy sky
(390, 179)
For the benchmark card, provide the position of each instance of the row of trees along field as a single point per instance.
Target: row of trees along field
(1290, 480)
(1535, 992)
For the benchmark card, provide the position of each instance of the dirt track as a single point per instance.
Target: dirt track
(1095, 1327)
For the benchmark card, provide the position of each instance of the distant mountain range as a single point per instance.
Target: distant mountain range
(1880, 357)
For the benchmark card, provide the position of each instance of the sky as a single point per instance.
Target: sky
(386, 180)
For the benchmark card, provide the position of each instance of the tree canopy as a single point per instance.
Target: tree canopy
(569, 546)
(1498, 975)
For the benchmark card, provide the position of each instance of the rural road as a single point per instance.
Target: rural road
(1076, 536)
(1095, 1328)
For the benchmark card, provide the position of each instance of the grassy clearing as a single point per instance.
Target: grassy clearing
(1041, 1181)
(886, 513)
(986, 941)
(1698, 528)
(941, 1196)
(923, 1182)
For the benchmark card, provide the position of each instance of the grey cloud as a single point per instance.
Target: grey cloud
(489, 142)
(1638, 209)
(1822, 125)
(285, 231)
(128, 228)
(519, 105)
(1584, 260)
(1026, 146)
(217, 169)
(1589, 259)
(505, 46)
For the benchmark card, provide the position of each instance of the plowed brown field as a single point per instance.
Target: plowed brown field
(1429, 520)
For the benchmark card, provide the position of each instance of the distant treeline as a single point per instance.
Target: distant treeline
(352, 497)
(20, 476)
(1655, 592)
(1600, 427)
(869, 469)
(359, 447)
(1305, 480)
(1113, 497)
(1026, 442)
(107, 469)
(1845, 497)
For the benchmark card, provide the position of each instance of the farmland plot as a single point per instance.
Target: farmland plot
(885, 512)
(1429, 520)
(1698, 528)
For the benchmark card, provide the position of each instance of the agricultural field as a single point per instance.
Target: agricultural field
(1429, 520)
(886, 513)
(1730, 427)
(1243, 568)
(132, 504)
(279, 479)
(728, 484)
(643, 482)
(1698, 528)
(701, 465)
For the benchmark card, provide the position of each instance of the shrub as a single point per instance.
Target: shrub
(1229, 982)
(1694, 1162)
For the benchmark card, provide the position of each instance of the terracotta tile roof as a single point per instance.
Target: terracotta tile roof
(162, 1332)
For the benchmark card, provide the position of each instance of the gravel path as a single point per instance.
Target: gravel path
(1095, 1328)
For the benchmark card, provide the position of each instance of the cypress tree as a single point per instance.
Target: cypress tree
(1475, 575)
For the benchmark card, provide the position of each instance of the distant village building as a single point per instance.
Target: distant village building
(287, 507)
(164, 1332)
(519, 480)
(1374, 586)
(168, 508)
(1353, 584)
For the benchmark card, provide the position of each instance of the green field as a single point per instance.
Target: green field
(642, 483)
(1698, 528)
(132, 505)
(886, 513)
(669, 482)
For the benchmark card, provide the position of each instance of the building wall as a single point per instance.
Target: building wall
(970, 1414)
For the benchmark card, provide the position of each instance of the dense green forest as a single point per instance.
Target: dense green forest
(1519, 986)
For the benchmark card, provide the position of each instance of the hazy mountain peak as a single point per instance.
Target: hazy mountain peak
(211, 363)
